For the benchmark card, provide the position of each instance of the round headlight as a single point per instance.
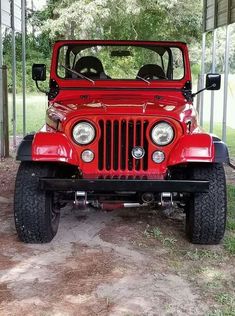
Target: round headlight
(162, 134)
(83, 133)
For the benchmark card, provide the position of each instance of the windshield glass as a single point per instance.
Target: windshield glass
(105, 62)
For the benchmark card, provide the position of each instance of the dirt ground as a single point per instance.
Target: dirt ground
(127, 262)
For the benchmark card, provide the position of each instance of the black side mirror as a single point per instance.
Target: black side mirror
(39, 72)
(213, 81)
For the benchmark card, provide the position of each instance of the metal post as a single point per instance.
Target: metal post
(199, 94)
(23, 6)
(13, 73)
(1, 100)
(226, 73)
(213, 67)
(5, 111)
(33, 28)
(202, 77)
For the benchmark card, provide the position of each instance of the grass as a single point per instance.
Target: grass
(36, 106)
(230, 135)
(229, 240)
(231, 201)
(229, 243)
(155, 232)
(201, 254)
(225, 299)
(227, 302)
(226, 311)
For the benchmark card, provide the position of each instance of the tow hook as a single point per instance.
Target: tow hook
(166, 199)
(81, 199)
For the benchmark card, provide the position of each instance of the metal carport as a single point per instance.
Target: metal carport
(216, 14)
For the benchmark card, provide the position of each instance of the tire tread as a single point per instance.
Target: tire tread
(32, 218)
(207, 212)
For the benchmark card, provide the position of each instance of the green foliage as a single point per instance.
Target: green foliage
(36, 52)
(130, 19)
(105, 19)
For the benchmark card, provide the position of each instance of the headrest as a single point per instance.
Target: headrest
(89, 63)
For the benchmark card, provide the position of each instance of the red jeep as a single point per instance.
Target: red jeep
(121, 130)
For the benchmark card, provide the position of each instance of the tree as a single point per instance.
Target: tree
(118, 19)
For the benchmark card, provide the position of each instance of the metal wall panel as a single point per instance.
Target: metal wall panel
(222, 12)
(6, 12)
(232, 16)
(218, 13)
(209, 14)
(6, 19)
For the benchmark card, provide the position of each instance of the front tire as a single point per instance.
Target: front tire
(206, 213)
(36, 217)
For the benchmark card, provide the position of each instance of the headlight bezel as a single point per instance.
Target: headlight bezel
(91, 125)
(155, 126)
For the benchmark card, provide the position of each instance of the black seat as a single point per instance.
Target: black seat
(151, 71)
(90, 67)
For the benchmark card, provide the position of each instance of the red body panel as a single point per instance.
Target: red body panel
(57, 147)
(117, 100)
(49, 146)
(192, 148)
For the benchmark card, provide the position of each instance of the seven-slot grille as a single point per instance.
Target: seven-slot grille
(118, 138)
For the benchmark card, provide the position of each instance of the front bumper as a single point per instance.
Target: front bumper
(114, 185)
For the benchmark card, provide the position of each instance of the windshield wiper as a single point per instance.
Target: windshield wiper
(145, 80)
(78, 74)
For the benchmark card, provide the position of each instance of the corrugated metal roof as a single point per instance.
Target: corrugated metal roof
(6, 12)
(218, 13)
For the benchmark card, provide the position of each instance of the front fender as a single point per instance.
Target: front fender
(193, 148)
(53, 147)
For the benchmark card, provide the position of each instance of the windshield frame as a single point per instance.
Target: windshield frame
(116, 81)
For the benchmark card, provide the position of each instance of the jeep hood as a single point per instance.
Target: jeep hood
(115, 104)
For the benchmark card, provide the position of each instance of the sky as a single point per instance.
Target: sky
(38, 4)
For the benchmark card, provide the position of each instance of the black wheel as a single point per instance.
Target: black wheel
(36, 216)
(206, 212)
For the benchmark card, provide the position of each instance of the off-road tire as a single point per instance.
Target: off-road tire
(206, 213)
(36, 219)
